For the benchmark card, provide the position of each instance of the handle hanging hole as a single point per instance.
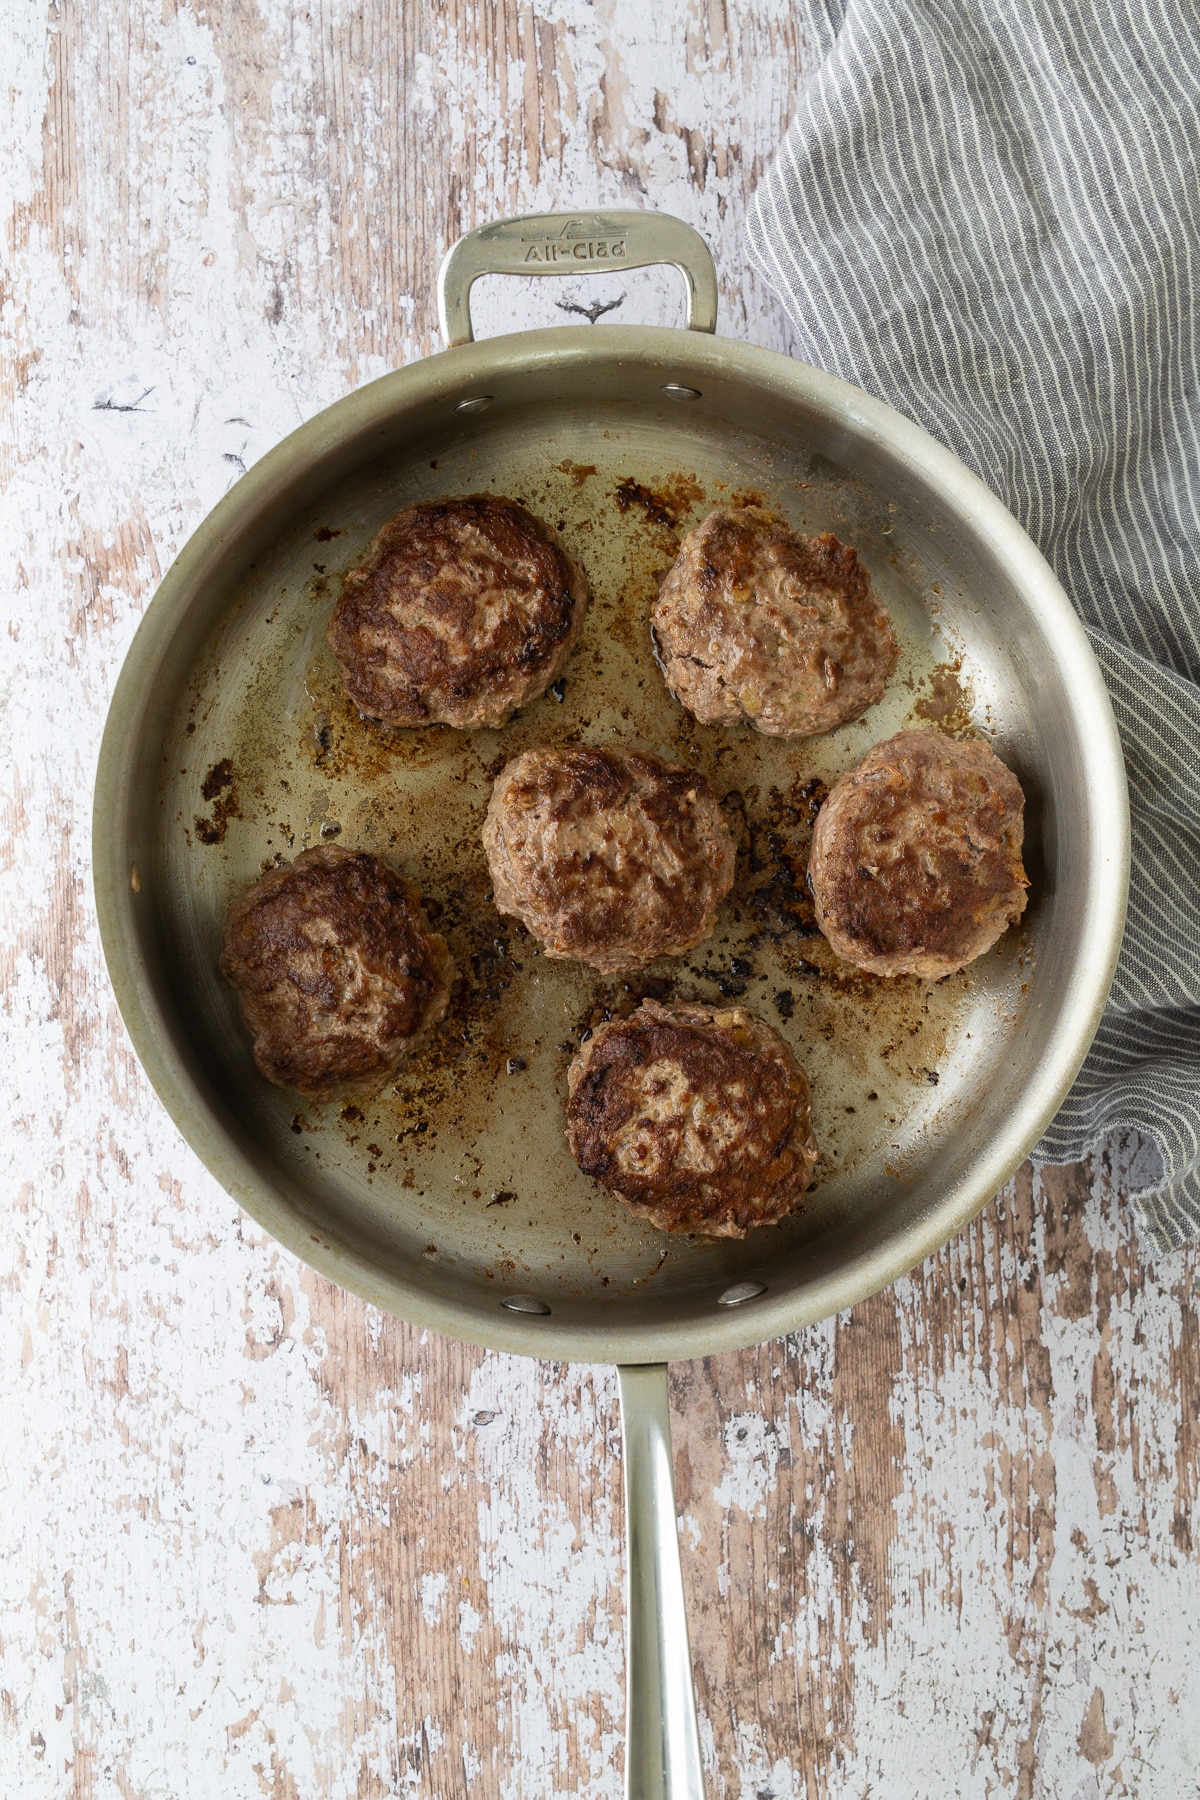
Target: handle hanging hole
(476, 404)
(677, 391)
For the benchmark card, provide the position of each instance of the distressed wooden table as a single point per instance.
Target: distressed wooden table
(258, 1539)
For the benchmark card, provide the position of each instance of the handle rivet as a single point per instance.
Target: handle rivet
(677, 391)
(477, 403)
(525, 1303)
(740, 1292)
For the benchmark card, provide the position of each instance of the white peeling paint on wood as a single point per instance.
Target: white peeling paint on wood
(259, 1539)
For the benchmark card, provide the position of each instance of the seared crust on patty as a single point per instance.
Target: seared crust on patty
(755, 621)
(611, 856)
(698, 1117)
(463, 610)
(916, 856)
(339, 977)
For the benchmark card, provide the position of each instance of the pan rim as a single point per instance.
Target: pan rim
(441, 377)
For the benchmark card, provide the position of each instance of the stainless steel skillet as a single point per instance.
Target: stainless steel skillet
(453, 1202)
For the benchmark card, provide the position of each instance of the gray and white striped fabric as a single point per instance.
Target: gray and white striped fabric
(987, 212)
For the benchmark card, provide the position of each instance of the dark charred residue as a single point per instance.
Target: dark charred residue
(451, 1082)
(729, 986)
(578, 472)
(785, 1003)
(648, 987)
(325, 534)
(515, 1065)
(491, 966)
(217, 788)
(502, 1197)
(773, 876)
(663, 505)
(632, 493)
(558, 689)
(618, 999)
(343, 743)
(219, 777)
(733, 810)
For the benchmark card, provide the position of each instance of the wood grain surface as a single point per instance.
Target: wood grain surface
(259, 1539)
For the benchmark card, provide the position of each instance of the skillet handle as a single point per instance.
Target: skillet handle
(571, 244)
(662, 1742)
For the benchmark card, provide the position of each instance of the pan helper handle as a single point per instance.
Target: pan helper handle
(662, 1743)
(572, 244)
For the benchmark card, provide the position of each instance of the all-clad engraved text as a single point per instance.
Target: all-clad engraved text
(551, 250)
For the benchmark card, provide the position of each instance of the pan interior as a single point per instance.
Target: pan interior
(459, 1182)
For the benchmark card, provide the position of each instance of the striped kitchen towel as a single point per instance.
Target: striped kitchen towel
(988, 214)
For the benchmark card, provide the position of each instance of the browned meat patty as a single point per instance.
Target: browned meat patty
(463, 611)
(339, 977)
(756, 622)
(697, 1117)
(610, 856)
(916, 856)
